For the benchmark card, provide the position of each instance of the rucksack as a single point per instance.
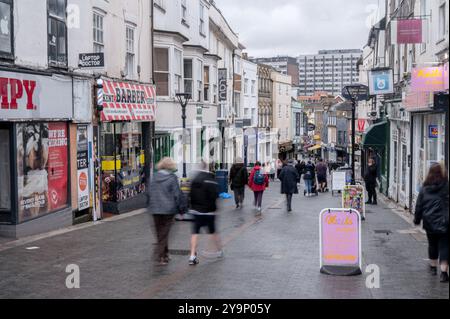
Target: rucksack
(258, 178)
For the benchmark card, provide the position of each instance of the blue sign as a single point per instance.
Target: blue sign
(433, 131)
(381, 82)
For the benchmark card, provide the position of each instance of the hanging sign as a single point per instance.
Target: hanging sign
(340, 242)
(408, 31)
(353, 197)
(381, 81)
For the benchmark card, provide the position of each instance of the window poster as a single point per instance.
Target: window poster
(41, 168)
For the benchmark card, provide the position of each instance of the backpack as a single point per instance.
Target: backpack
(258, 178)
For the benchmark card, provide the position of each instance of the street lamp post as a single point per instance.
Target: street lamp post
(183, 99)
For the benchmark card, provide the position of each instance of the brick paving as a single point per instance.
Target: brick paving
(276, 256)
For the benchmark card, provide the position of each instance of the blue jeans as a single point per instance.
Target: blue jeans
(309, 185)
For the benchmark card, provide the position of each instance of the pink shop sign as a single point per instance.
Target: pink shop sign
(429, 79)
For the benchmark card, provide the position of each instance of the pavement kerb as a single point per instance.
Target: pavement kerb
(62, 231)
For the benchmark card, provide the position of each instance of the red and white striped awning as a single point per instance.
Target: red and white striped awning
(128, 102)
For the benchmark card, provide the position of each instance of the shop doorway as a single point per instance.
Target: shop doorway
(5, 174)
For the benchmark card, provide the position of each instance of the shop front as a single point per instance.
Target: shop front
(126, 151)
(34, 153)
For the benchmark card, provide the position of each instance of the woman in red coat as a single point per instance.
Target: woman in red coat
(258, 182)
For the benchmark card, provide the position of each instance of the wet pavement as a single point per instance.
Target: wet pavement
(273, 256)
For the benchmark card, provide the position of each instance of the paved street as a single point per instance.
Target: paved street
(276, 256)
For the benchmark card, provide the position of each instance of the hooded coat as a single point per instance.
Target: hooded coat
(165, 196)
(289, 178)
(432, 208)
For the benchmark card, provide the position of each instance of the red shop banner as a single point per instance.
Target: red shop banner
(128, 102)
(57, 165)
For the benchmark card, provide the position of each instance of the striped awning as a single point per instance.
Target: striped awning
(124, 101)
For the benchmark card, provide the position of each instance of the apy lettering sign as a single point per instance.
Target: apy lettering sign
(27, 96)
(340, 242)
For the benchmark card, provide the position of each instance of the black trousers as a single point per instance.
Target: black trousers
(372, 192)
(239, 195)
(289, 201)
(438, 247)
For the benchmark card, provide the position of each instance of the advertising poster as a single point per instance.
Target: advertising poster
(57, 165)
(340, 242)
(353, 197)
(41, 168)
(82, 167)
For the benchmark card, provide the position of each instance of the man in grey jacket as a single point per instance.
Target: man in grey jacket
(165, 201)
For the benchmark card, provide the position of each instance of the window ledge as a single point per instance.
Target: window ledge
(159, 7)
(440, 41)
(183, 22)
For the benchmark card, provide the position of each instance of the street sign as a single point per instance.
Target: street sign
(91, 60)
(340, 242)
(356, 92)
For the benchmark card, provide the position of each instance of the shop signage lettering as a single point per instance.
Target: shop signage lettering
(92, 60)
(128, 102)
(429, 79)
(12, 90)
(223, 85)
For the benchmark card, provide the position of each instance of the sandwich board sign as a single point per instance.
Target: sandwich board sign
(339, 180)
(353, 197)
(340, 242)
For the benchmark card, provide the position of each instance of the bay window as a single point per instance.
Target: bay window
(162, 71)
(188, 76)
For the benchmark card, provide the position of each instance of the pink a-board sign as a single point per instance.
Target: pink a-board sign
(340, 242)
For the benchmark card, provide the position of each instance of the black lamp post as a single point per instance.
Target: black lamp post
(183, 99)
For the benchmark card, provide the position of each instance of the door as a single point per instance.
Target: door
(5, 174)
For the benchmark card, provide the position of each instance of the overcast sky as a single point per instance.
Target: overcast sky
(292, 27)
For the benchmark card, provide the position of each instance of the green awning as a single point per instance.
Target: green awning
(376, 136)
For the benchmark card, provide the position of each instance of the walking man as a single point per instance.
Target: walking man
(238, 180)
(204, 194)
(321, 170)
(370, 179)
(258, 183)
(289, 178)
(309, 178)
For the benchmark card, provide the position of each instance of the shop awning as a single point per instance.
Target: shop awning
(128, 102)
(376, 136)
(314, 148)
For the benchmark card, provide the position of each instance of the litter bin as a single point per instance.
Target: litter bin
(222, 180)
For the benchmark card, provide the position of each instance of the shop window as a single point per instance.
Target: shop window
(162, 71)
(42, 170)
(6, 29)
(123, 161)
(57, 33)
(5, 169)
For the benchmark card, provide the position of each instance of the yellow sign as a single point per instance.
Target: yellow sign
(108, 165)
